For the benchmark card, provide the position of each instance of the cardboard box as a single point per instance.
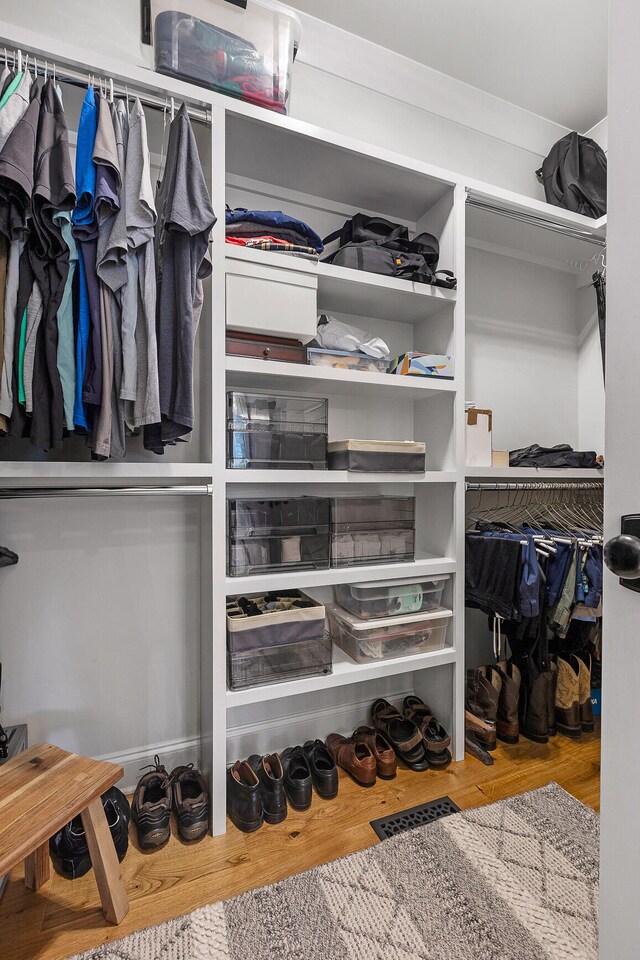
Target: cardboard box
(500, 458)
(478, 437)
(414, 364)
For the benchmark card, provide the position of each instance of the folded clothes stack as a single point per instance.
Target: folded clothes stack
(272, 230)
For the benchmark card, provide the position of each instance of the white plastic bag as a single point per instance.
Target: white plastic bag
(332, 334)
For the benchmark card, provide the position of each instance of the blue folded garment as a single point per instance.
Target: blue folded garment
(275, 218)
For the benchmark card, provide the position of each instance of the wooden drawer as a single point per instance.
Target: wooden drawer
(266, 299)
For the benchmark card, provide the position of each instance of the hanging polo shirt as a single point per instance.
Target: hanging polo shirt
(13, 106)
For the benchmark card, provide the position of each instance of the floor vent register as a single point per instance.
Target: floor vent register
(414, 817)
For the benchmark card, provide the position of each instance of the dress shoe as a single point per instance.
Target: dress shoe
(355, 758)
(385, 757)
(436, 739)
(244, 805)
(403, 735)
(297, 777)
(324, 772)
(269, 772)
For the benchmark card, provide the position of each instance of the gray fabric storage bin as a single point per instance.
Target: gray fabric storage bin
(377, 456)
(284, 624)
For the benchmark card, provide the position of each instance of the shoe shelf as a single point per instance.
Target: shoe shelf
(345, 672)
(274, 374)
(355, 292)
(336, 476)
(305, 579)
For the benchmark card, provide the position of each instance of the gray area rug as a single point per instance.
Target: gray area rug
(516, 880)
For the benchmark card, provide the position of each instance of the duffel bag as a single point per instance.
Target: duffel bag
(395, 236)
(375, 257)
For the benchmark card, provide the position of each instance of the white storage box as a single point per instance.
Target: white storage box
(365, 640)
(390, 598)
(247, 54)
(267, 299)
(478, 438)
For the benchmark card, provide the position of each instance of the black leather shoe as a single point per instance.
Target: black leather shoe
(269, 771)
(151, 807)
(324, 772)
(190, 802)
(297, 777)
(244, 805)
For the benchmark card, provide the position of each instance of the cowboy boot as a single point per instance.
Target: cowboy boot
(483, 695)
(507, 724)
(534, 710)
(568, 700)
(584, 692)
(553, 669)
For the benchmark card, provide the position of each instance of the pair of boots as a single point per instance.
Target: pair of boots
(573, 696)
(492, 704)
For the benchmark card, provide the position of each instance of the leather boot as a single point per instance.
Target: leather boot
(553, 686)
(507, 724)
(482, 698)
(534, 708)
(584, 693)
(567, 700)
(244, 804)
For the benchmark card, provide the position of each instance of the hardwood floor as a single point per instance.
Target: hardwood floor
(64, 917)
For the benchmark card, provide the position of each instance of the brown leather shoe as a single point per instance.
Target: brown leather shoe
(386, 760)
(507, 722)
(568, 699)
(356, 758)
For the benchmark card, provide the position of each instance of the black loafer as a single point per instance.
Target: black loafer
(297, 778)
(324, 772)
(271, 776)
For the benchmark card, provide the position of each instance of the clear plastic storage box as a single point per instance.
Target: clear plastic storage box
(260, 620)
(377, 456)
(390, 598)
(273, 535)
(365, 640)
(345, 360)
(275, 664)
(372, 530)
(244, 53)
(276, 432)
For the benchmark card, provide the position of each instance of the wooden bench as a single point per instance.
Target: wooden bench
(41, 790)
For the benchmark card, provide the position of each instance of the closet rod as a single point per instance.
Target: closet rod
(536, 221)
(79, 78)
(17, 493)
(538, 485)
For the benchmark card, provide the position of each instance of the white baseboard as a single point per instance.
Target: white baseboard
(172, 753)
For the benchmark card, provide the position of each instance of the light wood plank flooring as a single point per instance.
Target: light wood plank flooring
(64, 917)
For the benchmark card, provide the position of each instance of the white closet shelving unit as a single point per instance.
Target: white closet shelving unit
(258, 159)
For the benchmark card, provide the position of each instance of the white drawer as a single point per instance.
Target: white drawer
(266, 299)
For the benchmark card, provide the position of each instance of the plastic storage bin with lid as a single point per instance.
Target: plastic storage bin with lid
(365, 640)
(390, 598)
(273, 535)
(245, 53)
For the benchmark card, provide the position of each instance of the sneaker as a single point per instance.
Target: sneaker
(190, 802)
(151, 807)
(68, 847)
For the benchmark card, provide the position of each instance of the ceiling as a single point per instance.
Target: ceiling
(549, 57)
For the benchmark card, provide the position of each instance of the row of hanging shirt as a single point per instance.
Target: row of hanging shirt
(100, 275)
(541, 586)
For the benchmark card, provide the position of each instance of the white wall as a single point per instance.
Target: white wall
(352, 86)
(590, 379)
(521, 329)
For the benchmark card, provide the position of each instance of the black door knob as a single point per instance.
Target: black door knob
(622, 556)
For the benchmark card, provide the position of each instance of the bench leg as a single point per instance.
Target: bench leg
(105, 862)
(37, 867)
